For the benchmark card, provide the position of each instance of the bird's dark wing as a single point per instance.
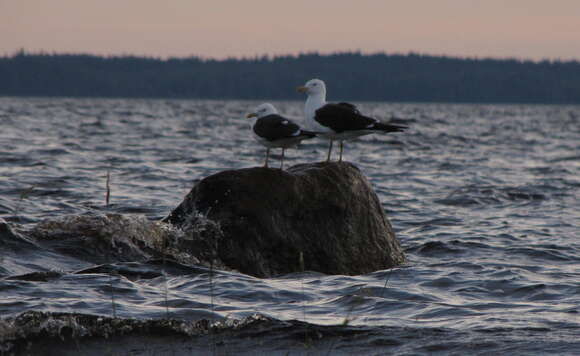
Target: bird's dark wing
(275, 127)
(342, 117)
(350, 106)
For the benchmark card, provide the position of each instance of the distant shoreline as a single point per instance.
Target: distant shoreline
(350, 76)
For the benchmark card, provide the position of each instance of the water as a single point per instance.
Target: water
(484, 199)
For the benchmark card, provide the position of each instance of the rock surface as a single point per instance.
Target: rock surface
(321, 217)
(112, 238)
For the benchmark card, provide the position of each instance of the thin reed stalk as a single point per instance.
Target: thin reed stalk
(301, 261)
(347, 319)
(211, 296)
(23, 195)
(164, 273)
(345, 322)
(113, 305)
(302, 269)
(108, 187)
(111, 281)
(387, 281)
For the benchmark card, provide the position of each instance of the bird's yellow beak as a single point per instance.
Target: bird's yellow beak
(302, 89)
(250, 115)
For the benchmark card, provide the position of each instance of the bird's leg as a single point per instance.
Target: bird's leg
(267, 156)
(329, 150)
(341, 144)
(282, 164)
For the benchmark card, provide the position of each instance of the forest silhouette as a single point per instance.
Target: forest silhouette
(349, 76)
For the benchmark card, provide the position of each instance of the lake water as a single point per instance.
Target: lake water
(485, 200)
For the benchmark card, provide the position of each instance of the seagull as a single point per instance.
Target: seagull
(341, 121)
(273, 130)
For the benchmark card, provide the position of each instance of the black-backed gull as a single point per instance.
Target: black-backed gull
(341, 121)
(275, 131)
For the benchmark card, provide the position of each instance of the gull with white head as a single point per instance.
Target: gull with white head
(341, 121)
(275, 131)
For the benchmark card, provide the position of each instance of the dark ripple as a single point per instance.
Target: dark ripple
(566, 159)
(541, 254)
(435, 248)
(489, 195)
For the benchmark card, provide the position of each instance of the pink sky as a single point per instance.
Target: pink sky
(533, 29)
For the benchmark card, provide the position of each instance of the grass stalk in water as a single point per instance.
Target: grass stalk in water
(113, 305)
(302, 269)
(348, 319)
(163, 272)
(301, 261)
(111, 282)
(23, 195)
(108, 187)
(387, 281)
(211, 293)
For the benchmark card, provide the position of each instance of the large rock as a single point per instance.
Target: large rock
(325, 212)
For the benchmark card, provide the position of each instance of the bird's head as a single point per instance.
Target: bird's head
(263, 110)
(313, 87)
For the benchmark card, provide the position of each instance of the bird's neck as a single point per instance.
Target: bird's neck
(253, 122)
(313, 103)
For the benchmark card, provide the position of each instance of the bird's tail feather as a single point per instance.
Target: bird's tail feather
(389, 127)
(309, 134)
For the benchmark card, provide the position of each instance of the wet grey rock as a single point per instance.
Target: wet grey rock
(44, 333)
(11, 240)
(327, 213)
(64, 334)
(110, 238)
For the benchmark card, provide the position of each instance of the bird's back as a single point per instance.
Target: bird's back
(273, 127)
(342, 117)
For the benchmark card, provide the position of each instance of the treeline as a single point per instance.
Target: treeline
(351, 76)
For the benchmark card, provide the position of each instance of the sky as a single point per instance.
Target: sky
(524, 29)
